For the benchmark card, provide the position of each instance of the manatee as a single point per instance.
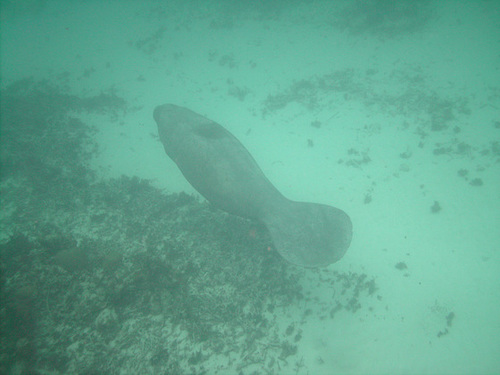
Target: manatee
(222, 170)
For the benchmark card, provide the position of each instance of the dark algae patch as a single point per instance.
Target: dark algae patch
(476, 182)
(449, 319)
(449, 322)
(436, 207)
(401, 266)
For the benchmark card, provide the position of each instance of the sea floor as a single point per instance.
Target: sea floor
(112, 263)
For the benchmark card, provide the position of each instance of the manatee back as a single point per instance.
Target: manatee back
(214, 162)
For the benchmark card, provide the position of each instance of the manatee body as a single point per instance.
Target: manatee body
(221, 169)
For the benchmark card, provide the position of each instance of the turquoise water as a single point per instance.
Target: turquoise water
(389, 111)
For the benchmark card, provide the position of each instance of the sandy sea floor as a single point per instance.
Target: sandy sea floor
(389, 112)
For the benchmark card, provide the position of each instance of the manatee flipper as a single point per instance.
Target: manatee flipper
(221, 169)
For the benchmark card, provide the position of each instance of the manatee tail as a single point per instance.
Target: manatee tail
(309, 234)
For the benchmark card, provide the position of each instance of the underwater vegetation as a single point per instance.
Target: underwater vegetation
(99, 274)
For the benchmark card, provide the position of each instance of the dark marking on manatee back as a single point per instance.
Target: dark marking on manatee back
(222, 170)
(210, 131)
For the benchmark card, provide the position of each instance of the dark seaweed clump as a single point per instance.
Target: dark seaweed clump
(385, 18)
(44, 144)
